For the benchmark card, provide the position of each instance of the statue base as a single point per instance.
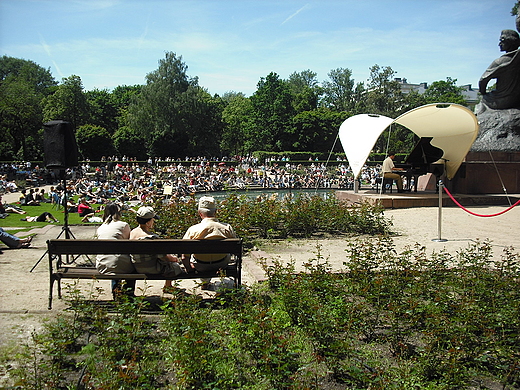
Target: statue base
(494, 172)
(499, 130)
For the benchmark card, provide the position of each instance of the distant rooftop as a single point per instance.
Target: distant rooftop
(470, 94)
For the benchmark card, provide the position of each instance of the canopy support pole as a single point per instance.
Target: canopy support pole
(326, 165)
(439, 218)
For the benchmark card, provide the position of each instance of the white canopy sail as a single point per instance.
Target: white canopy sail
(453, 129)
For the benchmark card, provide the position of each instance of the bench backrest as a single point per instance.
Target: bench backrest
(95, 247)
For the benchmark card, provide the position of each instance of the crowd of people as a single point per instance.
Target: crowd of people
(130, 179)
(136, 182)
(127, 180)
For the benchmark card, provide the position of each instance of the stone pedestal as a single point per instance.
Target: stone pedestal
(484, 173)
(499, 130)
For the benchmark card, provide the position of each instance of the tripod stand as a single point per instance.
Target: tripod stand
(65, 228)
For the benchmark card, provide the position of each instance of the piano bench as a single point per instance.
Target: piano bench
(389, 182)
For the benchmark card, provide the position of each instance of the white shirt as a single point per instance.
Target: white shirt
(388, 165)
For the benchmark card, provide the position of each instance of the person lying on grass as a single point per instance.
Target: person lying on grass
(9, 208)
(43, 217)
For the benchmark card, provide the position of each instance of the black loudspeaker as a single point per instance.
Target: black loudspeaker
(59, 145)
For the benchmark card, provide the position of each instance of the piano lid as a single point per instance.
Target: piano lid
(424, 152)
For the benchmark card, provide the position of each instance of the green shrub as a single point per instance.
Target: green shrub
(272, 216)
(389, 321)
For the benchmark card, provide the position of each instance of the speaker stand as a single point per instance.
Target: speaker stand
(65, 229)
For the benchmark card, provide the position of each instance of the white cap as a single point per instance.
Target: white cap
(207, 203)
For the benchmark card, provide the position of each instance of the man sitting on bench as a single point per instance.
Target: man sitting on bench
(209, 228)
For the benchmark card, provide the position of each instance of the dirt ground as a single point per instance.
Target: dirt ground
(421, 225)
(24, 294)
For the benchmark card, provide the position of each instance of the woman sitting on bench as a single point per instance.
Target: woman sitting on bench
(113, 228)
(156, 264)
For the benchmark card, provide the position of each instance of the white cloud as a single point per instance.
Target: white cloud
(306, 6)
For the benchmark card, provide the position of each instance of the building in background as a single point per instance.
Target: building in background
(471, 95)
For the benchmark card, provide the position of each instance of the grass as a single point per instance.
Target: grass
(13, 220)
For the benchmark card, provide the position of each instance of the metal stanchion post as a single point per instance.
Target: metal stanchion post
(439, 222)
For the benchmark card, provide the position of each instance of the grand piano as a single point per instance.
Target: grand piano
(424, 158)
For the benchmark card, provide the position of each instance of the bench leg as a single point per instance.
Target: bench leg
(50, 292)
(51, 287)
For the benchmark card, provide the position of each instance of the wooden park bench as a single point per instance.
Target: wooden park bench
(63, 255)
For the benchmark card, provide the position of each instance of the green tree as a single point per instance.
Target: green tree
(414, 99)
(101, 109)
(21, 118)
(271, 116)
(338, 93)
(359, 99)
(169, 110)
(129, 142)
(68, 103)
(317, 130)
(383, 93)
(122, 96)
(236, 116)
(38, 77)
(444, 92)
(203, 118)
(94, 142)
(305, 90)
(23, 84)
(384, 97)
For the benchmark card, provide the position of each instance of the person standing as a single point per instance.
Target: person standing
(209, 228)
(388, 169)
(113, 228)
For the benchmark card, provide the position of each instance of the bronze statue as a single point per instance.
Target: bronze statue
(506, 71)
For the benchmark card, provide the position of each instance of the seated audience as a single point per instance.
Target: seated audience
(157, 264)
(208, 229)
(113, 228)
(84, 208)
(39, 196)
(8, 208)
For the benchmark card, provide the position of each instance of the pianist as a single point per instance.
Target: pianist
(389, 169)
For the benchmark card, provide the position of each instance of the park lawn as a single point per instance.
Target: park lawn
(13, 220)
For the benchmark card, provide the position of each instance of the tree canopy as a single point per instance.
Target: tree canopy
(171, 115)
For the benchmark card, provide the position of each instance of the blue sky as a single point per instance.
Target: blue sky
(231, 44)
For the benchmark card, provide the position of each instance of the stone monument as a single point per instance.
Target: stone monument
(493, 164)
(499, 111)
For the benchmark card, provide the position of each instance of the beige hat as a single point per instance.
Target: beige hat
(146, 212)
(207, 203)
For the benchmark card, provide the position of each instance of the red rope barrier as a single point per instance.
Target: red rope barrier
(478, 215)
